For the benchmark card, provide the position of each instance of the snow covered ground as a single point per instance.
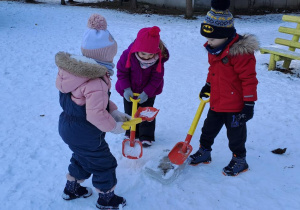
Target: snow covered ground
(34, 160)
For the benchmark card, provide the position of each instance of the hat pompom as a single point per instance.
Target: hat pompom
(220, 4)
(97, 22)
(154, 31)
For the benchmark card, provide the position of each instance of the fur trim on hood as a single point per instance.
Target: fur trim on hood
(79, 65)
(247, 44)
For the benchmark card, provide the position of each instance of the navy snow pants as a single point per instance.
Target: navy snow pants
(91, 154)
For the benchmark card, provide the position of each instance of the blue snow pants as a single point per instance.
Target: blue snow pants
(91, 154)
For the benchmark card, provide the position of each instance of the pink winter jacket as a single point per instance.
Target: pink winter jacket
(89, 84)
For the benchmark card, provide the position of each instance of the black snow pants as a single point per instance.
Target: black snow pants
(144, 130)
(236, 133)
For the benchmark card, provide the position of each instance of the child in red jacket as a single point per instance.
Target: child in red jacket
(232, 85)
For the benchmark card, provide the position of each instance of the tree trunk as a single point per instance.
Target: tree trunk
(232, 7)
(133, 4)
(189, 9)
(250, 6)
(62, 2)
(120, 2)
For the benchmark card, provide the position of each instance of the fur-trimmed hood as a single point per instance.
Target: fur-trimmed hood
(247, 44)
(75, 70)
(80, 66)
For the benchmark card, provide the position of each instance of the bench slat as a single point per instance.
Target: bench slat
(287, 43)
(277, 54)
(280, 52)
(287, 30)
(290, 18)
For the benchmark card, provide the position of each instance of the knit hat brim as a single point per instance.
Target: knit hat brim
(128, 63)
(211, 31)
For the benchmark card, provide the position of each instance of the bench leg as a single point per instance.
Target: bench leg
(286, 64)
(272, 63)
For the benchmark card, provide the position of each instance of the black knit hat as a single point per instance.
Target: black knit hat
(218, 22)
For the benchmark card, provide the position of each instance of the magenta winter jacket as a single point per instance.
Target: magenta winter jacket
(148, 80)
(89, 85)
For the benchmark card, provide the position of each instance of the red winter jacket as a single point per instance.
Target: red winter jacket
(232, 75)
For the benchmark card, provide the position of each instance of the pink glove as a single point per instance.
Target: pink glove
(120, 116)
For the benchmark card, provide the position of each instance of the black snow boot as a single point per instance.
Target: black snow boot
(74, 190)
(110, 201)
(236, 166)
(201, 156)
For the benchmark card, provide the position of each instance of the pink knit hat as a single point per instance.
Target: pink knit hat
(97, 42)
(147, 40)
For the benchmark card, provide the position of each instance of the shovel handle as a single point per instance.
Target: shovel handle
(207, 100)
(133, 100)
(198, 114)
(134, 109)
(126, 125)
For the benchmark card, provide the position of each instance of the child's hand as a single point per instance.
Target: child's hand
(120, 116)
(143, 96)
(127, 94)
(247, 112)
(118, 129)
(205, 89)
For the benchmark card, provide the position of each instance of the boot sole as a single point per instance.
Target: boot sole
(235, 174)
(110, 207)
(68, 199)
(208, 162)
(64, 196)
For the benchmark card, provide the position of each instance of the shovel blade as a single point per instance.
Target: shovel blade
(132, 149)
(180, 153)
(146, 113)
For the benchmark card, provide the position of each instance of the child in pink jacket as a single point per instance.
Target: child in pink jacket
(84, 84)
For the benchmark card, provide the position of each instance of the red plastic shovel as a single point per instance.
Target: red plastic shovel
(132, 148)
(181, 150)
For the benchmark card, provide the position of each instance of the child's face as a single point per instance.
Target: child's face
(213, 43)
(145, 56)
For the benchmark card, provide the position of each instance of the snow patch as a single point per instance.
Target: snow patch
(134, 151)
(84, 59)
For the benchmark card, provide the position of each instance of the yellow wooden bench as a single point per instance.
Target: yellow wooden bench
(277, 54)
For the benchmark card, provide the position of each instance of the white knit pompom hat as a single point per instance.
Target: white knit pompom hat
(97, 42)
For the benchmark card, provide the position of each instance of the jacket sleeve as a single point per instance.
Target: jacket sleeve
(244, 65)
(96, 96)
(123, 73)
(155, 81)
(112, 106)
(208, 76)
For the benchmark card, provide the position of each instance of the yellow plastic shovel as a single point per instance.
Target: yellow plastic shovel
(126, 125)
(129, 148)
(129, 144)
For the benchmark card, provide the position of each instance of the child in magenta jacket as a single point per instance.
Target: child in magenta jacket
(141, 70)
